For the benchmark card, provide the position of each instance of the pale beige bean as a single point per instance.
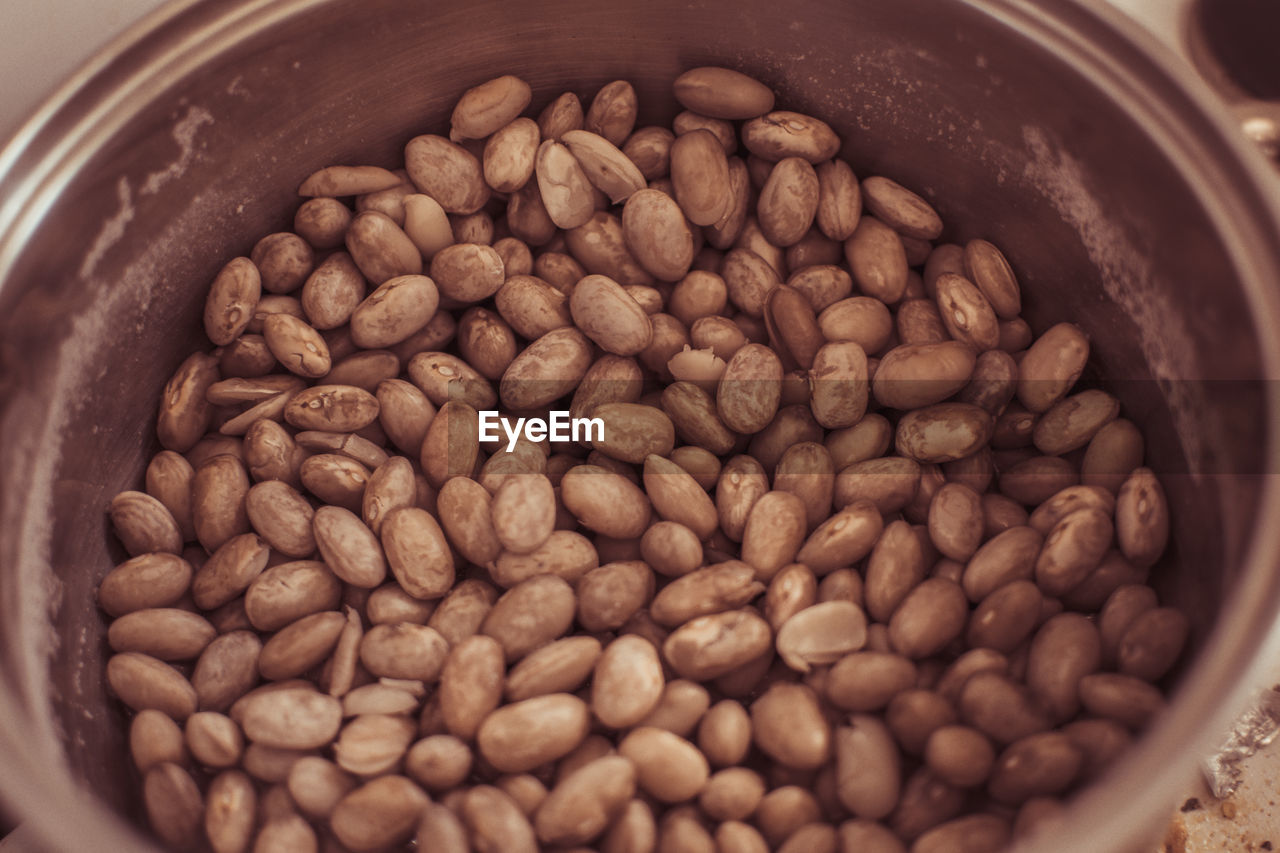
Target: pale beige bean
(463, 610)
(522, 735)
(148, 580)
(372, 744)
(608, 596)
(530, 614)
(332, 291)
(214, 739)
(566, 191)
(144, 524)
(693, 412)
(586, 801)
(915, 375)
(1008, 556)
(438, 762)
(868, 767)
(173, 803)
(560, 666)
(226, 670)
(446, 172)
(417, 552)
(722, 93)
(839, 200)
(749, 278)
(987, 267)
(230, 811)
(790, 591)
(1000, 708)
(288, 716)
(902, 209)
(681, 707)
(334, 181)
(843, 538)
(960, 755)
(712, 589)
(1073, 421)
(943, 432)
(567, 554)
(323, 221)
(868, 836)
(1006, 617)
(1152, 643)
(966, 313)
(1051, 366)
(232, 298)
(612, 112)
(781, 134)
(930, 616)
(821, 634)
(404, 650)
(485, 108)
(184, 412)
(155, 738)
(378, 814)
(711, 646)
(788, 201)
(605, 502)
(788, 725)
(976, 833)
(380, 248)
(284, 260)
(700, 176)
(509, 155)
(486, 342)
(379, 698)
(658, 236)
(774, 532)
(724, 733)
(668, 767)
(609, 316)
(1036, 766)
(547, 369)
(286, 592)
(1072, 549)
(877, 260)
(471, 684)
(1142, 518)
(142, 682)
(867, 681)
(349, 547)
(523, 512)
(1066, 649)
(495, 822)
(165, 633)
(604, 164)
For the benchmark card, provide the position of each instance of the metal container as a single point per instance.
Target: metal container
(1121, 192)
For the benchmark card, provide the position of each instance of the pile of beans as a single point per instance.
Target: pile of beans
(853, 566)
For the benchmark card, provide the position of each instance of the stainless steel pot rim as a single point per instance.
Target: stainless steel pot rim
(1127, 62)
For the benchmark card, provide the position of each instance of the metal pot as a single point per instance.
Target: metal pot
(1120, 190)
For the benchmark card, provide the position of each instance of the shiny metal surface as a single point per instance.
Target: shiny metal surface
(1121, 192)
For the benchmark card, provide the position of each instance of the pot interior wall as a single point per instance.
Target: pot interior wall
(1009, 142)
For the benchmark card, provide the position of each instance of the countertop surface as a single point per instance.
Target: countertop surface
(43, 42)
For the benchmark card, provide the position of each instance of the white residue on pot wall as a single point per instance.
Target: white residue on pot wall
(1164, 338)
